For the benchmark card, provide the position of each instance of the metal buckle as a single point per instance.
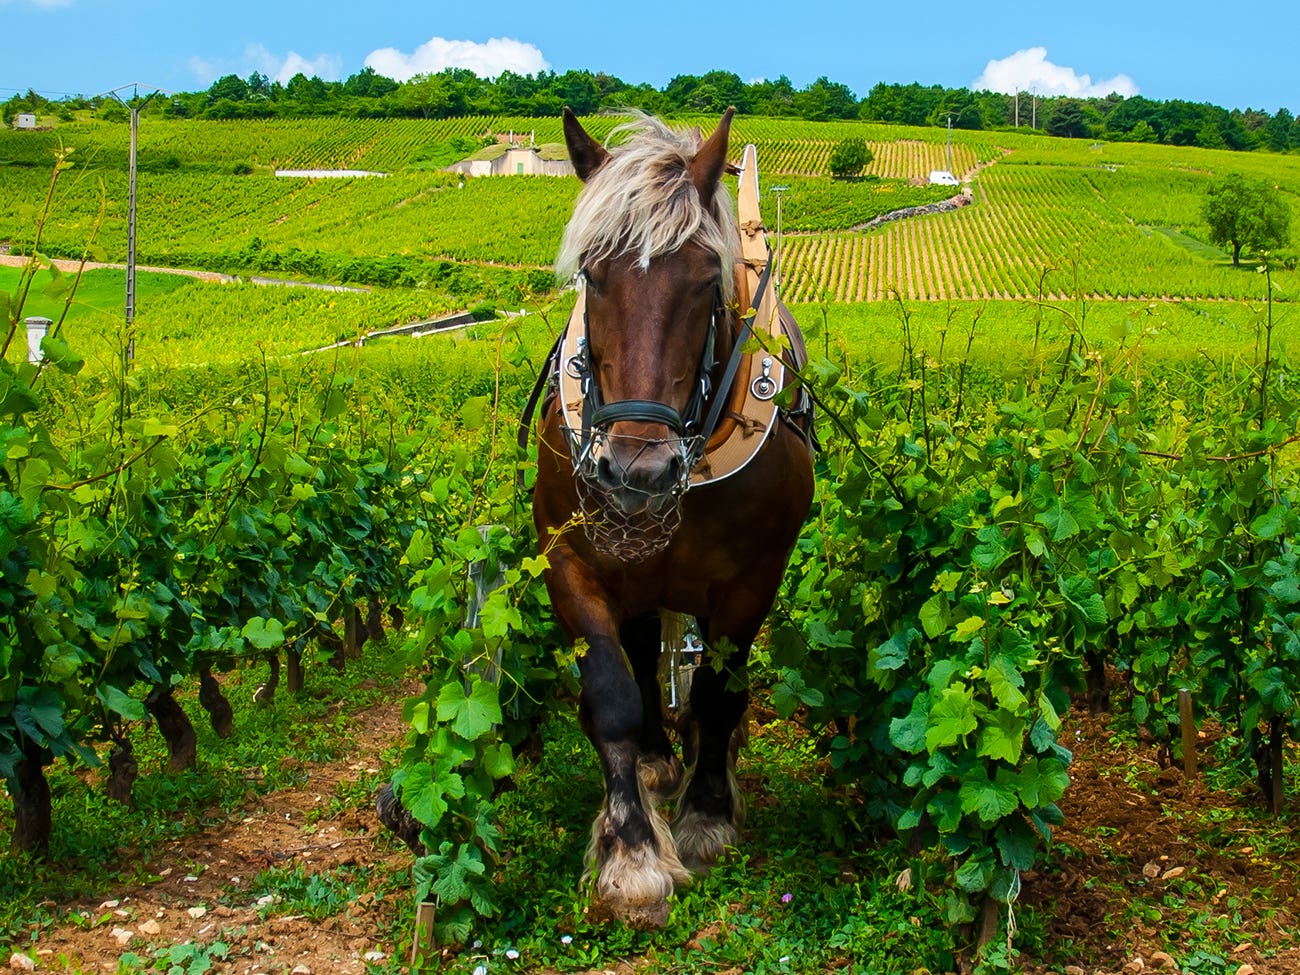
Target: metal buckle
(576, 364)
(764, 387)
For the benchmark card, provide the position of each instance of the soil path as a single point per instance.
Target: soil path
(194, 889)
(1131, 828)
(15, 260)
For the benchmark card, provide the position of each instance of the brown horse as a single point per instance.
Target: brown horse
(623, 501)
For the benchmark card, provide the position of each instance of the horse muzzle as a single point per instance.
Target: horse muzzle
(631, 489)
(637, 475)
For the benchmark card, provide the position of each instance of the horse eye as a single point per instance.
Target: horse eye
(705, 287)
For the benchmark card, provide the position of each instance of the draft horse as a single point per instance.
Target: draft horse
(640, 501)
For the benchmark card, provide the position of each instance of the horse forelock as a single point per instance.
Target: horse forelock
(642, 203)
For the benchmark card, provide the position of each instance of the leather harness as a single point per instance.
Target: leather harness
(741, 409)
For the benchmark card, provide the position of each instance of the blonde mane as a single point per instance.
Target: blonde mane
(642, 202)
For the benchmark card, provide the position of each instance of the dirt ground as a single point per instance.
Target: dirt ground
(197, 872)
(1127, 831)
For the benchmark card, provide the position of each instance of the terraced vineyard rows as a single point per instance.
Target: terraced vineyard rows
(389, 144)
(1127, 215)
(1031, 227)
(902, 159)
(424, 214)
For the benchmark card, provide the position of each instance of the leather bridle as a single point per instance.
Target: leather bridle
(692, 427)
(599, 416)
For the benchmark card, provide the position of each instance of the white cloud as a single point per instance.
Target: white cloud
(259, 58)
(204, 70)
(1029, 70)
(43, 4)
(324, 66)
(487, 60)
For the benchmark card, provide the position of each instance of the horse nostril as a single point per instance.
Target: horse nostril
(605, 472)
(674, 470)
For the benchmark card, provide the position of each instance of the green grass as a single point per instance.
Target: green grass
(101, 295)
(803, 894)
(182, 321)
(1191, 244)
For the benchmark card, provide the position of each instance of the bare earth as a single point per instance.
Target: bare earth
(1129, 827)
(200, 871)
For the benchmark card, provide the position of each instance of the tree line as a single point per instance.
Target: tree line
(456, 92)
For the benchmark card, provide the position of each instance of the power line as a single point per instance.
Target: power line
(46, 93)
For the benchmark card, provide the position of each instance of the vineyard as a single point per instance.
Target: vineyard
(1042, 216)
(1117, 220)
(1036, 523)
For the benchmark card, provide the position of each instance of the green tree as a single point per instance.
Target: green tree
(1141, 132)
(1127, 114)
(1067, 119)
(111, 110)
(1278, 130)
(579, 91)
(904, 104)
(717, 90)
(368, 83)
(961, 105)
(824, 100)
(850, 157)
(772, 97)
(230, 87)
(1245, 213)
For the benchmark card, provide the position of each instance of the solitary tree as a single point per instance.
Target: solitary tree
(1245, 213)
(850, 157)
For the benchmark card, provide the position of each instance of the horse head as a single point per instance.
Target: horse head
(652, 240)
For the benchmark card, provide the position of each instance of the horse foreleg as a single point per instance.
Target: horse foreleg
(711, 810)
(631, 858)
(657, 764)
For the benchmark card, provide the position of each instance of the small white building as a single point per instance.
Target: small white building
(25, 121)
(512, 161)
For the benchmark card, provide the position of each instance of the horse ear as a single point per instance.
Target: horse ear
(707, 166)
(586, 154)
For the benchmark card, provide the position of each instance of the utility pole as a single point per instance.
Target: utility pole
(778, 190)
(1034, 123)
(950, 172)
(134, 106)
(1017, 108)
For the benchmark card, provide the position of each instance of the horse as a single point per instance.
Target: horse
(636, 508)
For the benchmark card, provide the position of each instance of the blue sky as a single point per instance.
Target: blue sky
(1229, 55)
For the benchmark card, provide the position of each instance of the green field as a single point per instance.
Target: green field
(1057, 429)
(187, 322)
(1050, 216)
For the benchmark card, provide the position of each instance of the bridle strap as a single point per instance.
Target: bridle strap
(733, 361)
(596, 413)
(644, 410)
(535, 397)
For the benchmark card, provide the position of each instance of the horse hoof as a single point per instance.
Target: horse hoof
(701, 838)
(633, 884)
(640, 917)
(660, 776)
